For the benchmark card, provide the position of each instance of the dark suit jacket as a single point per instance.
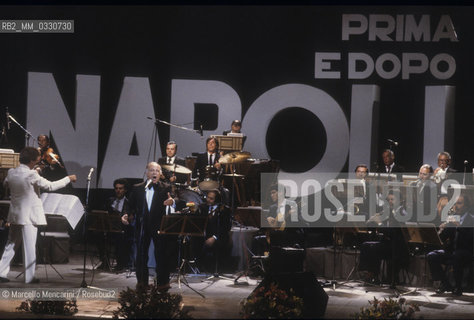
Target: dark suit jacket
(218, 225)
(396, 169)
(177, 160)
(424, 196)
(202, 161)
(459, 238)
(151, 220)
(125, 209)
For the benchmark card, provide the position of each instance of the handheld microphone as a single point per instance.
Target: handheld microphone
(200, 130)
(90, 174)
(466, 162)
(8, 118)
(395, 143)
(147, 184)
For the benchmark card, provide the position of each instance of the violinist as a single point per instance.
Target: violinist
(49, 167)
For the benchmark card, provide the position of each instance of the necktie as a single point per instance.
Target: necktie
(388, 169)
(169, 160)
(117, 202)
(210, 159)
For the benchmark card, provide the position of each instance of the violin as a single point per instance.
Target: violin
(49, 157)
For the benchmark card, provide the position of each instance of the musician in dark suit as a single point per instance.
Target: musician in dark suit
(426, 196)
(389, 165)
(125, 241)
(457, 236)
(283, 218)
(148, 202)
(208, 158)
(364, 191)
(172, 159)
(217, 236)
(391, 245)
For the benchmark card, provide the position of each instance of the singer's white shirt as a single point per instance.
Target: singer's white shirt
(149, 192)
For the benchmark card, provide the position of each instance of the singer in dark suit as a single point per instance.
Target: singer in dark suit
(148, 202)
(208, 158)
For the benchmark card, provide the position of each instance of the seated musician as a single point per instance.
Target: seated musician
(210, 158)
(125, 242)
(216, 242)
(457, 237)
(391, 245)
(121, 236)
(235, 128)
(170, 160)
(283, 218)
(49, 167)
(361, 172)
(426, 195)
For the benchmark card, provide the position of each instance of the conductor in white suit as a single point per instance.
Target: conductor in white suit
(26, 211)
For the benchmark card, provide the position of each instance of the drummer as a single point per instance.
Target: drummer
(168, 164)
(209, 158)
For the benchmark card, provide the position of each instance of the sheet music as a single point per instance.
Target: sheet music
(65, 205)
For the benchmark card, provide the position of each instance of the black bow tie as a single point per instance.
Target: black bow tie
(152, 185)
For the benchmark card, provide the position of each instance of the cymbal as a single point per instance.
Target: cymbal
(176, 168)
(234, 157)
(233, 175)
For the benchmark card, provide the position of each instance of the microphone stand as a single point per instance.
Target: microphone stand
(175, 125)
(84, 283)
(464, 174)
(28, 134)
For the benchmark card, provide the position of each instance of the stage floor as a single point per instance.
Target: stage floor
(222, 298)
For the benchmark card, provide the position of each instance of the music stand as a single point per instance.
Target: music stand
(229, 143)
(248, 217)
(424, 234)
(184, 225)
(102, 221)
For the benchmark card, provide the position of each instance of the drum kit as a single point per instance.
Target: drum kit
(208, 177)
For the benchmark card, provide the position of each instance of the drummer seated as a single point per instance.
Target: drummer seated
(172, 159)
(216, 242)
(208, 158)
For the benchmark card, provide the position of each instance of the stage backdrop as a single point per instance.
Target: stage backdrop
(320, 88)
